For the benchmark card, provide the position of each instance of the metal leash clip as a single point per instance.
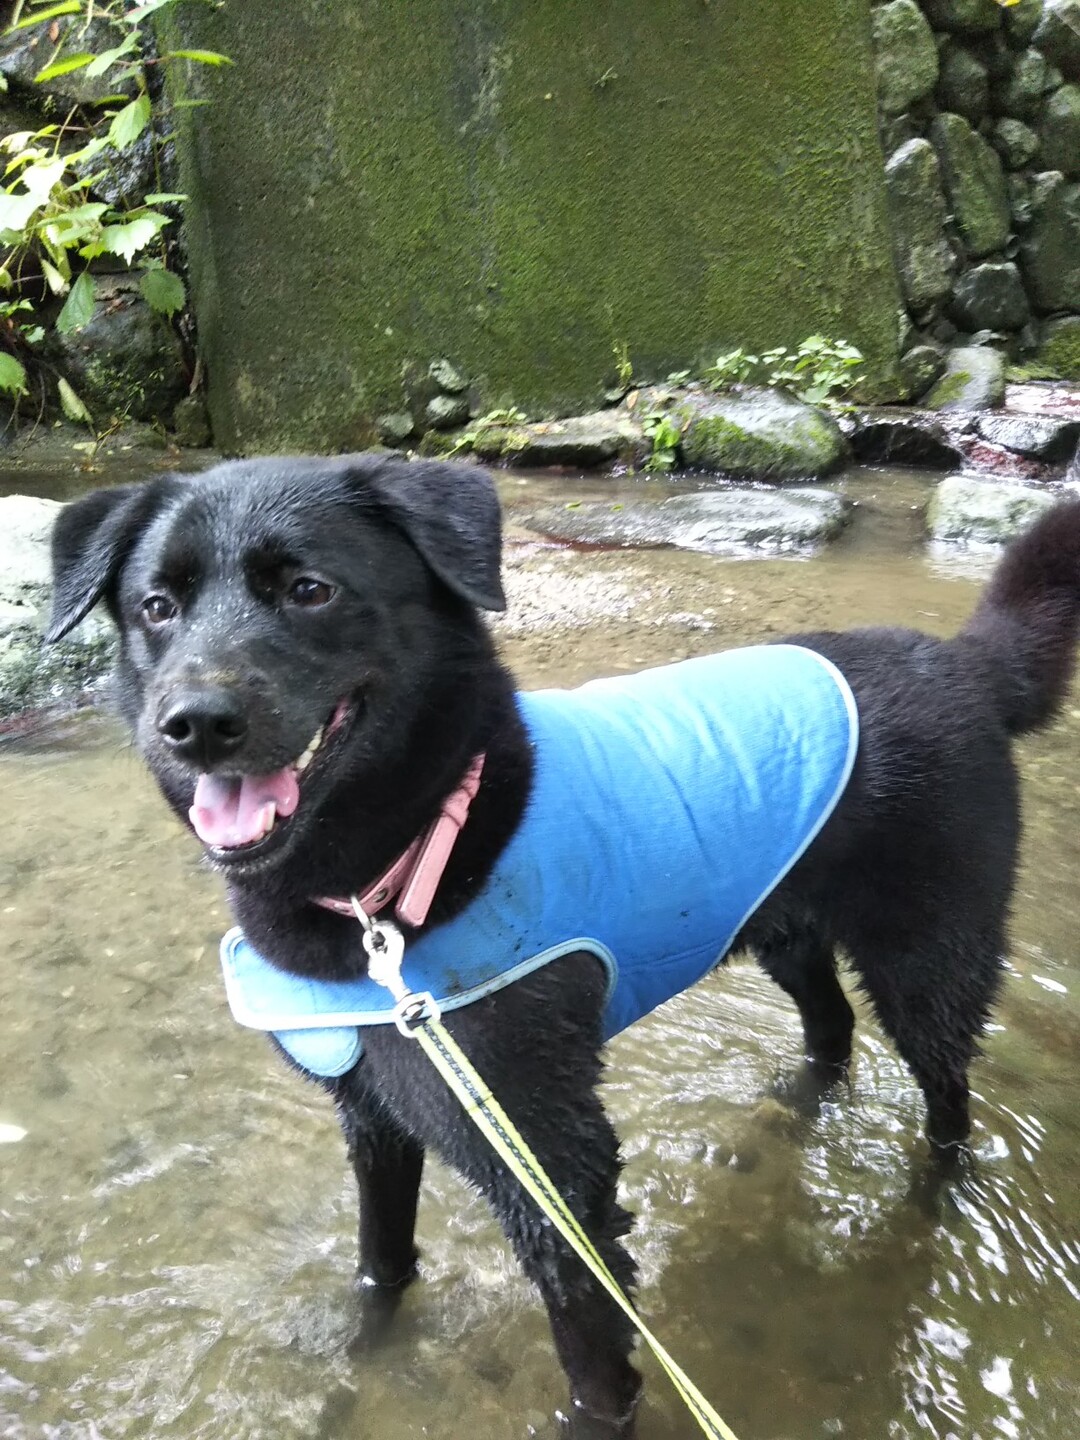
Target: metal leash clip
(384, 945)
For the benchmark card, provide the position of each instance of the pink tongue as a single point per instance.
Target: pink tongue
(230, 810)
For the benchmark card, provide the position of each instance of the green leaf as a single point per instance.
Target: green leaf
(133, 235)
(133, 17)
(103, 61)
(69, 7)
(16, 210)
(201, 57)
(163, 291)
(129, 123)
(78, 307)
(12, 375)
(56, 282)
(165, 198)
(40, 177)
(62, 67)
(71, 405)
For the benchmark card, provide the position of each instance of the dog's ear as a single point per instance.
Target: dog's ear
(89, 541)
(451, 514)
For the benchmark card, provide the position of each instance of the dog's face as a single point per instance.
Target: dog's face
(278, 620)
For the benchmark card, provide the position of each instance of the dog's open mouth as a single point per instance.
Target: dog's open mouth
(236, 813)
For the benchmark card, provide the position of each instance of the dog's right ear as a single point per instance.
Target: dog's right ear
(89, 541)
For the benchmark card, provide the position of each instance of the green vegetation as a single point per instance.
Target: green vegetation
(50, 226)
(664, 435)
(818, 370)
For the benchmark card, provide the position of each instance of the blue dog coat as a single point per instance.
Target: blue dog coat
(665, 807)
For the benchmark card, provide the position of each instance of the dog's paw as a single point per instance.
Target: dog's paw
(376, 1307)
(805, 1089)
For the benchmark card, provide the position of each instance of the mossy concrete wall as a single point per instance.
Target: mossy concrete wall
(520, 188)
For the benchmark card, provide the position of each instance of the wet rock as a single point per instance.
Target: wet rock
(889, 435)
(126, 361)
(32, 674)
(443, 412)
(448, 377)
(720, 521)
(1040, 437)
(395, 429)
(23, 53)
(963, 84)
(990, 297)
(1017, 145)
(581, 440)
(191, 423)
(1020, 208)
(974, 379)
(974, 184)
(983, 512)
(1058, 36)
(1021, 22)
(1021, 93)
(121, 176)
(757, 433)
(963, 17)
(917, 211)
(1059, 133)
(1060, 347)
(905, 54)
(1050, 251)
(919, 368)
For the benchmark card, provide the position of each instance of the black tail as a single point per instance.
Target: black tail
(1028, 619)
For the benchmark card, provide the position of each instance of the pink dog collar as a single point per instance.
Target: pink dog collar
(414, 876)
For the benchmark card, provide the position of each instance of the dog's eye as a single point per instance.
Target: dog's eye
(157, 609)
(309, 592)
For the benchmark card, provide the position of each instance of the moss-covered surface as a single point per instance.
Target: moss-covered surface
(1060, 349)
(519, 189)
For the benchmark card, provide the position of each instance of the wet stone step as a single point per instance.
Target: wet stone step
(726, 521)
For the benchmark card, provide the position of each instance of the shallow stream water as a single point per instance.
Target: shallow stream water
(177, 1224)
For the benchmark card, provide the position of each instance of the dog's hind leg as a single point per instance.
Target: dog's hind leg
(803, 964)
(933, 1001)
(387, 1163)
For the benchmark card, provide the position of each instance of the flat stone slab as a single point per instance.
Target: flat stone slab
(970, 511)
(581, 440)
(1041, 437)
(32, 674)
(723, 522)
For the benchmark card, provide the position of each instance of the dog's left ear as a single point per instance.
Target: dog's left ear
(451, 514)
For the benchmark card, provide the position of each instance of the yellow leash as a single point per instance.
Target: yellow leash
(418, 1016)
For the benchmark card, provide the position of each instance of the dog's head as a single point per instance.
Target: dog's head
(280, 622)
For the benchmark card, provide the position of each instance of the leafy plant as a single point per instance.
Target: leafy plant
(734, 368)
(817, 371)
(493, 420)
(50, 227)
(624, 366)
(664, 436)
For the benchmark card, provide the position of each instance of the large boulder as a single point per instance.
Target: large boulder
(917, 210)
(757, 433)
(970, 511)
(974, 184)
(1058, 36)
(990, 297)
(963, 84)
(1059, 133)
(1050, 251)
(963, 17)
(24, 53)
(721, 521)
(33, 674)
(906, 56)
(1060, 347)
(974, 379)
(126, 361)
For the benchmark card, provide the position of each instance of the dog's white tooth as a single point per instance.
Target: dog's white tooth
(304, 761)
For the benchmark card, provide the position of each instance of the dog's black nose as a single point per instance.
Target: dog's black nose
(204, 726)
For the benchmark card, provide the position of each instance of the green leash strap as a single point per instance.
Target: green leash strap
(506, 1140)
(418, 1017)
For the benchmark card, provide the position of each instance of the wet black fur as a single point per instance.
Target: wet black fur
(911, 877)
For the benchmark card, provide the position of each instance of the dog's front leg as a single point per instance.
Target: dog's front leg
(387, 1163)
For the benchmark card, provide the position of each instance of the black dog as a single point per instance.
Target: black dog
(264, 599)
